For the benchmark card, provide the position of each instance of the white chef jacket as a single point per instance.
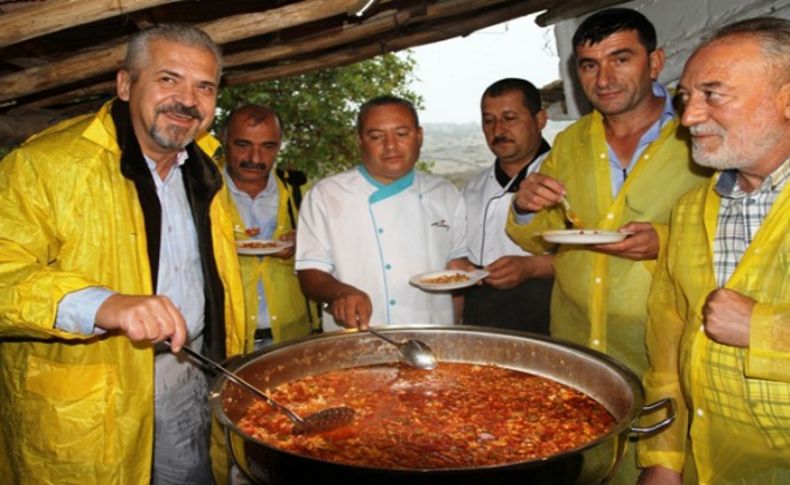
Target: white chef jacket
(487, 206)
(375, 237)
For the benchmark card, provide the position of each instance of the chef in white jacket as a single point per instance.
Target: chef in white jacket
(365, 232)
(517, 292)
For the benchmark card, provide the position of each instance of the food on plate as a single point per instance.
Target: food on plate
(457, 415)
(258, 244)
(445, 279)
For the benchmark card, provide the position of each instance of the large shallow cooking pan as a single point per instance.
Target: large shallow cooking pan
(596, 374)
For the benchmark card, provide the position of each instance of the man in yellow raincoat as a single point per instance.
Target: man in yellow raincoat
(719, 330)
(266, 207)
(621, 168)
(115, 235)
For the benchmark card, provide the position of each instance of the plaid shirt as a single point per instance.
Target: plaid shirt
(740, 216)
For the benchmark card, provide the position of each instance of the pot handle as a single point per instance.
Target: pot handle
(668, 403)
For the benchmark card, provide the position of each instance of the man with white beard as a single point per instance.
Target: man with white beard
(718, 337)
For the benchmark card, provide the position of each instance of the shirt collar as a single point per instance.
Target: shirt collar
(727, 185)
(512, 184)
(384, 191)
(181, 158)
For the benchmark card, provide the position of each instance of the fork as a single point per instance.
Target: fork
(572, 217)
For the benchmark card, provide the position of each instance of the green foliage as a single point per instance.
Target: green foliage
(318, 110)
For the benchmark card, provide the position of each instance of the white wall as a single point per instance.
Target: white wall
(680, 25)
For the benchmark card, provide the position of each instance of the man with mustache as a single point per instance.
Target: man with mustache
(115, 235)
(517, 292)
(719, 328)
(621, 167)
(266, 202)
(365, 232)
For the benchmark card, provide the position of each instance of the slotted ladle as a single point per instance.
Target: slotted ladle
(324, 420)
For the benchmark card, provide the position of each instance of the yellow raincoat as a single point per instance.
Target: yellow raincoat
(740, 421)
(598, 300)
(79, 408)
(288, 308)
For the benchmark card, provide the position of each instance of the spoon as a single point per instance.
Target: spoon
(572, 217)
(323, 420)
(416, 353)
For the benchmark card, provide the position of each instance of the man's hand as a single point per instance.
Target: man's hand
(537, 192)
(658, 475)
(727, 315)
(352, 308)
(288, 252)
(510, 271)
(641, 245)
(152, 318)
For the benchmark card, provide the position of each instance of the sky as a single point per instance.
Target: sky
(452, 74)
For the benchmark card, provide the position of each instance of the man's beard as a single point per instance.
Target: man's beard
(735, 150)
(175, 137)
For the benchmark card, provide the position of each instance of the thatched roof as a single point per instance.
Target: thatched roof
(58, 57)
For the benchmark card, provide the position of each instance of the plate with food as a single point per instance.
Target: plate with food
(584, 236)
(261, 247)
(450, 279)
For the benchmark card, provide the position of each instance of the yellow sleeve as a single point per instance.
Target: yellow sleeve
(528, 235)
(769, 342)
(666, 310)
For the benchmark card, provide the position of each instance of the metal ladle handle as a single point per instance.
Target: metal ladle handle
(381, 336)
(238, 380)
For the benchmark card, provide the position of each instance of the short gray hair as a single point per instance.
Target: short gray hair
(772, 33)
(138, 50)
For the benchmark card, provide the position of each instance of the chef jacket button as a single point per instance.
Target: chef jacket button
(700, 412)
(381, 230)
(387, 266)
(596, 342)
(598, 279)
(610, 216)
(392, 302)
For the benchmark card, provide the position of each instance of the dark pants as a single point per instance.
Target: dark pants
(524, 307)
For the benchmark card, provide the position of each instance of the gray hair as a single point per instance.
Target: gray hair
(772, 33)
(138, 50)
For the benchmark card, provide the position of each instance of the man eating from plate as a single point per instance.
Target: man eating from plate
(364, 233)
(621, 168)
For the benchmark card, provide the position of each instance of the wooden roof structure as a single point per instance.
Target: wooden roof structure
(59, 57)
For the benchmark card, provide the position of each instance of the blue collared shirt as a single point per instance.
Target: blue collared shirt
(180, 275)
(618, 173)
(258, 212)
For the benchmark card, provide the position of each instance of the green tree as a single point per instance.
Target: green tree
(318, 110)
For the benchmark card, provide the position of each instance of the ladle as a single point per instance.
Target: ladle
(414, 352)
(323, 420)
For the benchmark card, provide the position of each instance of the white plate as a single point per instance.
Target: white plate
(584, 236)
(423, 280)
(252, 247)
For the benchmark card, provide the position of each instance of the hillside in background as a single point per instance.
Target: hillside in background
(458, 150)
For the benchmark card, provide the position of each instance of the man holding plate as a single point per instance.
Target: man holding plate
(621, 168)
(266, 206)
(364, 233)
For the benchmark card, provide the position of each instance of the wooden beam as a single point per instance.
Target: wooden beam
(46, 17)
(376, 25)
(109, 57)
(572, 8)
(438, 32)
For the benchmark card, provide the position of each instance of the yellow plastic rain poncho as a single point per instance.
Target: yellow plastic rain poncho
(598, 300)
(78, 409)
(740, 420)
(288, 308)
